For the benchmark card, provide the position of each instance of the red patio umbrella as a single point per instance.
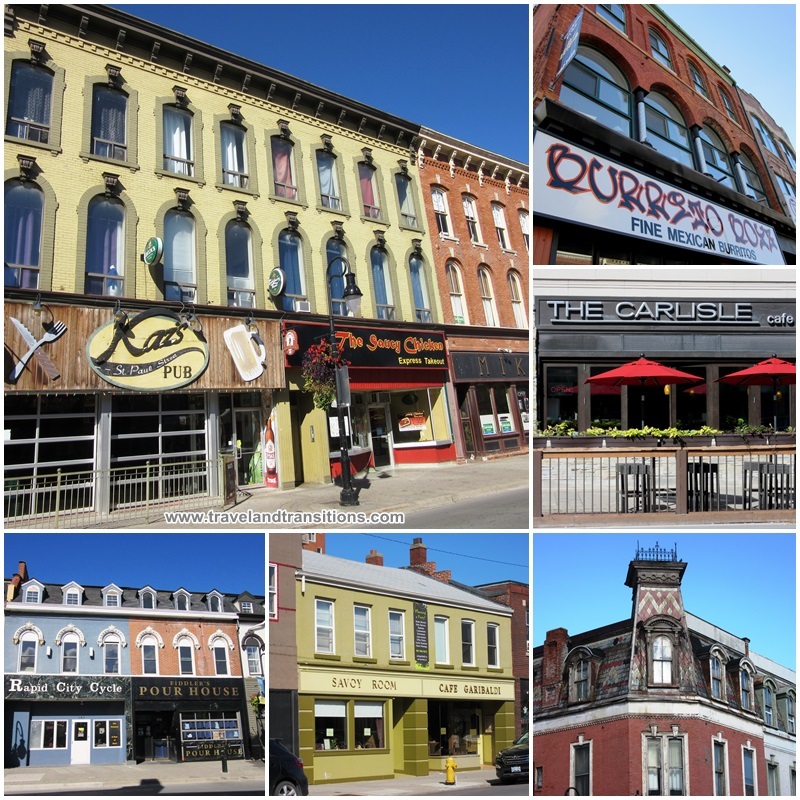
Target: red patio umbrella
(643, 372)
(772, 372)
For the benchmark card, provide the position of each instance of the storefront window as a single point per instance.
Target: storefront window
(733, 405)
(561, 399)
(691, 400)
(606, 402)
(204, 725)
(107, 733)
(330, 724)
(48, 734)
(369, 725)
(494, 409)
(454, 729)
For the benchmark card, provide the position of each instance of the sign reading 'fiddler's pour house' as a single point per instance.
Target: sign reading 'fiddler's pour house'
(571, 183)
(154, 351)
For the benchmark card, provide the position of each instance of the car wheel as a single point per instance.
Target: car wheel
(284, 788)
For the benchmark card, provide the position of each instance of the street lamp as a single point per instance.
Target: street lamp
(352, 300)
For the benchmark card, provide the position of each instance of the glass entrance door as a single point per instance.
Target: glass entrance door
(380, 434)
(249, 465)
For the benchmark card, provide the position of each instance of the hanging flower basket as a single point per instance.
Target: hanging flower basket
(319, 373)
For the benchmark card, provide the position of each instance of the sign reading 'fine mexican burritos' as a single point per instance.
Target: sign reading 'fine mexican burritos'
(574, 184)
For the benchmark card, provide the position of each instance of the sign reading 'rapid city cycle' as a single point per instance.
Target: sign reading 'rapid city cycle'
(574, 184)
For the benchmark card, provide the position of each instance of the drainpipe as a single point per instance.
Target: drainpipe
(641, 119)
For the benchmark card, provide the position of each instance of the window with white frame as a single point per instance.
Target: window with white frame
(745, 684)
(441, 637)
(662, 660)
(109, 123)
(72, 598)
(665, 765)
(324, 630)
(48, 734)
(790, 713)
(113, 599)
(253, 649)
(397, 637)
(467, 642)
(487, 297)
(69, 653)
(182, 601)
(362, 631)
(149, 647)
(283, 168)
(492, 644)
(148, 599)
(471, 214)
(580, 679)
(613, 13)
(717, 678)
(28, 649)
(107, 733)
(336, 253)
(455, 287)
(499, 216)
(581, 768)
(290, 258)
(524, 224)
(234, 156)
(185, 648)
(440, 211)
(33, 595)
(767, 694)
(219, 648)
(517, 303)
(273, 591)
(111, 655)
(720, 768)
(773, 779)
(247, 607)
(749, 771)
(178, 145)
(214, 603)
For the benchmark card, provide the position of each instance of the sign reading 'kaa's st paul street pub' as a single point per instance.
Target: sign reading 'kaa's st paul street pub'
(154, 351)
(573, 184)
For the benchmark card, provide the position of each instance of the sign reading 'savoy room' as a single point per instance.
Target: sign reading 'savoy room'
(153, 351)
(570, 183)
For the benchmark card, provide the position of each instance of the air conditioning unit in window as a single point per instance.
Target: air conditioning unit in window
(302, 305)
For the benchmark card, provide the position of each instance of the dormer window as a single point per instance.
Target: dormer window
(112, 596)
(768, 699)
(581, 665)
(714, 664)
(662, 660)
(147, 598)
(215, 602)
(716, 678)
(182, 600)
(744, 678)
(32, 595)
(247, 608)
(72, 594)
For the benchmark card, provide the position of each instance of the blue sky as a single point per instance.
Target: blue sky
(473, 558)
(756, 42)
(459, 69)
(743, 583)
(231, 563)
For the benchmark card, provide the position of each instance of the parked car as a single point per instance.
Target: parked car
(286, 776)
(511, 763)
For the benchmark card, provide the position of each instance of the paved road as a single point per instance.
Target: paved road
(492, 789)
(503, 510)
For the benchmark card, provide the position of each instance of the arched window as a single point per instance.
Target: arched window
(28, 648)
(69, 653)
(29, 102)
(109, 123)
(471, 215)
(745, 686)
(524, 223)
(234, 156)
(456, 288)
(105, 247)
(182, 602)
(726, 101)
(766, 136)
(148, 600)
(239, 264)
(149, 646)
(336, 249)
(111, 654)
(718, 162)
(659, 49)
(290, 256)
(180, 275)
(328, 181)
(253, 648)
(24, 205)
(178, 141)
(662, 660)
(405, 197)
(441, 211)
(499, 215)
(185, 648)
(768, 698)
(487, 297)
(384, 300)
(698, 80)
(613, 13)
(419, 288)
(517, 302)
(370, 199)
(717, 677)
(754, 186)
(219, 647)
(283, 169)
(668, 128)
(597, 88)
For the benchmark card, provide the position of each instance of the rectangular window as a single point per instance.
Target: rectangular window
(441, 635)
(397, 648)
(247, 608)
(773, 784)
(500, 225)
(582, 680)
(109, 112)
(362, 632)
(273, 592)
(539, 777)
(70, 663)
(216, 725)
(48, 734)
(675, 764)
(790, 714)
(716, 679)
(253, 660)
(440, 212)
(330, 724)
(220, 661)
(493, 644)
(408, 213)
(72, 598)
(328, 181)
(468, 642)
(234, 156)
(27, 655)
(369, 191)
(745, 684)
(582, 777)
(768, 705)
(471, 215)
(368, 725)
(111, 658)
(112, 600)
(720, 781)
(149, 663)
(29, 102)
(524, 223)
(324, 642)
(654, 766)
(749, 775)
(185, 658)
(31, 595)
(107, 733)
(283, 169)
(178, 156)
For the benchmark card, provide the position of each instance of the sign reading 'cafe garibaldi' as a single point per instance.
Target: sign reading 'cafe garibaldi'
(571, 183)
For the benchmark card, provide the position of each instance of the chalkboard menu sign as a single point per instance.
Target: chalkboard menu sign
(421, 634)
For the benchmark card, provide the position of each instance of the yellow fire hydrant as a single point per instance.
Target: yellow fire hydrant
(450, 767)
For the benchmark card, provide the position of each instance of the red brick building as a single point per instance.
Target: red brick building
(477, 208)
(643, 153)
(663, 703)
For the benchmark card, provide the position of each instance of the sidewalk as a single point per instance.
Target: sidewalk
(116, 777)
(380, 491)
(407, 785)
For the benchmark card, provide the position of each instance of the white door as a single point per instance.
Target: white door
(81, 752)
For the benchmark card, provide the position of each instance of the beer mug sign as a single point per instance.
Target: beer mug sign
(247, 350)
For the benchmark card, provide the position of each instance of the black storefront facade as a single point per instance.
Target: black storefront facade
(189, 719)
(602, 198)
(578, 337)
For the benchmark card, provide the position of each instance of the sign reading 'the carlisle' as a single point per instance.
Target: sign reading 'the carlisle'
(574, 184)
(154, 351)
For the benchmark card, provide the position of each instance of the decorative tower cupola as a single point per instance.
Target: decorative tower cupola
(661, 659)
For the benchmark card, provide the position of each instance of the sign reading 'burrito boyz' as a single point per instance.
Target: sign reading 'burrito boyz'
(574, 184)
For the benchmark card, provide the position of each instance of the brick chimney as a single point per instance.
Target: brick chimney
(375, 558)
(746, 646)
(419, 553)
(443, 575)
(555, 653)
(20, 577)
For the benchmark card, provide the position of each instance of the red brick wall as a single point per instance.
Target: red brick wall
(632, 55)
(168, 655)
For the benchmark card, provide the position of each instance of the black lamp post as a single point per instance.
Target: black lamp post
(352, 299)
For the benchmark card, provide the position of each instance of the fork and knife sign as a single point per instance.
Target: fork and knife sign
(34, 345)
